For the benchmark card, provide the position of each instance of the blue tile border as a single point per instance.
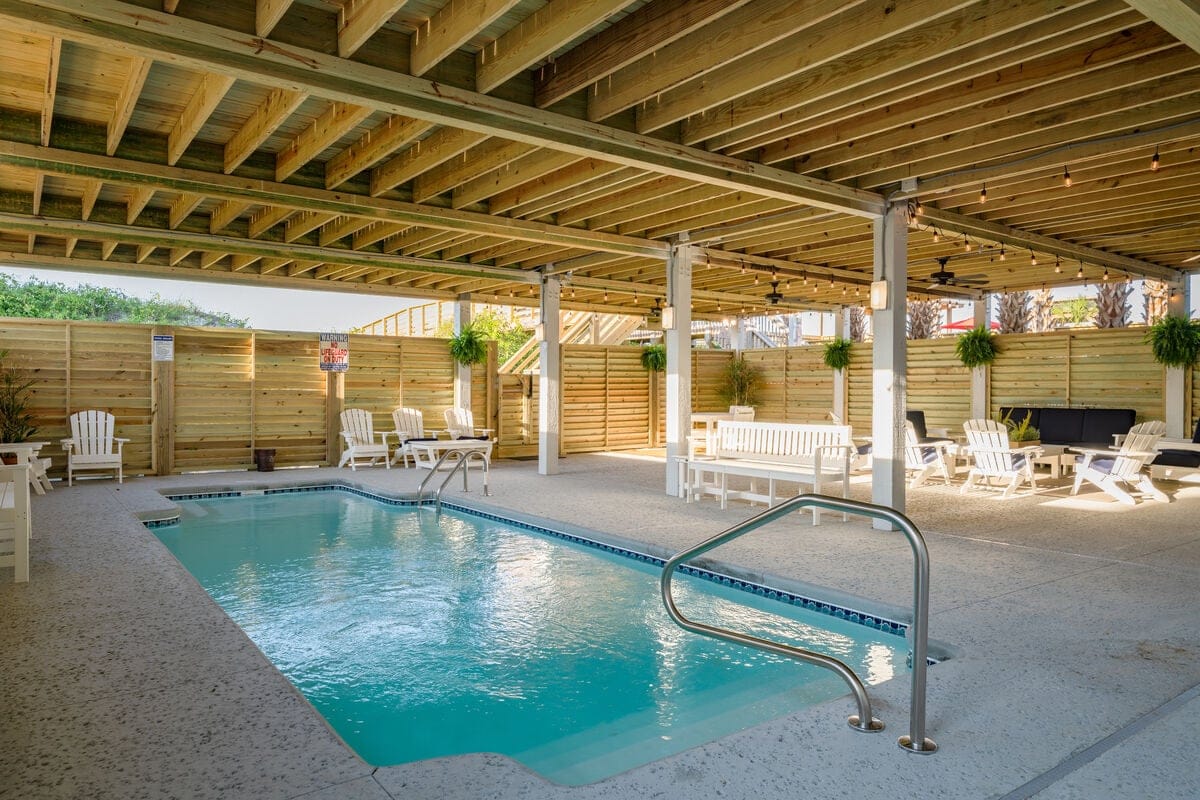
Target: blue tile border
(878, 623)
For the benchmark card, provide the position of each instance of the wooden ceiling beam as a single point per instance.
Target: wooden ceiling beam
(199, 108)
(458, 170)
(358, 20)
(741, 207)
(268, 217)
(838, 86)
(265, 119)
(292, 198)
(340, 228)
(830, 30)
(225, 213)
(501, 178)
(114, 25)
(1180, 18)
(139, 197)
(564, 179)
(654, 189)
(126, 101)
(267, 14)
(439, 147)
(91, 192)
(376, 232)
(182, 207)
(50, 86)
(304, 223)
(393, 134)
(450, 28)
(649, 28)
(537, 36)
(334, 123)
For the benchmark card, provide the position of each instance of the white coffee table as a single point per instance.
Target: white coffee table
(1055, 458)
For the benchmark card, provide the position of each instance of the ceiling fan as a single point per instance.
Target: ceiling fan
(943, 277)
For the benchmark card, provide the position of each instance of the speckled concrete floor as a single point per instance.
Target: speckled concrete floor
(1073, 623)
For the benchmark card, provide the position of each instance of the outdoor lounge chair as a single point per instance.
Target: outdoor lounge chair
(460, 424)
(410, 427)
(359, 435)
(15, 528)
(92, 445)
(923, 460)
(1109, 469)
(996, 458)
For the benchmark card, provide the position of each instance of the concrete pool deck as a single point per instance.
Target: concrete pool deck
(1075, 625)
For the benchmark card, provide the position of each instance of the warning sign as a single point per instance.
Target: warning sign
(335, 352)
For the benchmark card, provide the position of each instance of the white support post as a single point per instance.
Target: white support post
(462, 372)
(679, 362)
(1175, 381)
(550, 378)
(889, 372)
(980, 376)
(739, 335)
(839, 375)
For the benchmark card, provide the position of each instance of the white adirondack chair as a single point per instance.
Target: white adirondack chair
(93, 446)
(30, 452)
(15, 528)
(410, 427)
(359, 436)
(924, 460)
(995, 458)
(460, 424)
(1109, 469)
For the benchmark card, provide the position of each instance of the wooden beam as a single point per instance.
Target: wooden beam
(107, 248)
(178, 254)
(50, 87)
(91, 191)
(265, 119)
(126, 101)
(653, 26)
(457, 171)
(267, 14)
(292, 198)
(340, 228)
(537, 36)
(210, 258)
(392, 134)
(437, 148)
(501, 178)
(70, 245)
(182, 208)
(144, 251)
(450, 28)
(114, 25)
(359, 19)
(169, 7)
(39, 184)
(204, 101)
(377, 232)
(1180, 18)
(225, 212)
(139, 197)
(337, 120)
(239, 262)
(304, 223)
(268, 217)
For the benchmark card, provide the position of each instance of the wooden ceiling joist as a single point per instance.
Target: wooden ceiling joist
(208, 94)
(268, 115)
(336, 121)
(358, 20)
(450, 27)
(131, 90)
(394, 133)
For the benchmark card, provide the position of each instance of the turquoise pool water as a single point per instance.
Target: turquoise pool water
(419, 636)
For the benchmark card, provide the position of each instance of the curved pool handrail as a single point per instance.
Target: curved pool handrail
(915, 741)
(462, 459)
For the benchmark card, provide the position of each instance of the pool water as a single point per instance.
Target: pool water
(419, 635)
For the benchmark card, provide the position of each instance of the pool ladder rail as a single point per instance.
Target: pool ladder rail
(914, 741)
(462, 460)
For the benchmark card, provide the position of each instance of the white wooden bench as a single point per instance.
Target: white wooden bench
(815, 455)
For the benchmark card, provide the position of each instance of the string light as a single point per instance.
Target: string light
(1154, 160)
(920, 208)
(606, 295)
(804, 279)
(1057, 265)
(937, 237)
(1105, 275)
(1066, 177)
(967, 243)
(1032, 259)
(718, 306)
(983, 194)
(756, 279)
(1079, 272)
(1001, 252)
(743, 267)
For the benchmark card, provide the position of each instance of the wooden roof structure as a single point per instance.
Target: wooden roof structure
(430, 148)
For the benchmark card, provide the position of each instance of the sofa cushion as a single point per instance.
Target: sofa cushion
(1178, 458)
(1062, 425)
(917, 418)
(1099, 424)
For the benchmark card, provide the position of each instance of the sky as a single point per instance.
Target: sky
(265, 308)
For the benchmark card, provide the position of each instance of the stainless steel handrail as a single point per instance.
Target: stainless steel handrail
(462, 461)
(915, 741)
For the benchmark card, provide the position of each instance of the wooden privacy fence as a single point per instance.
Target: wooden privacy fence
(228, 392)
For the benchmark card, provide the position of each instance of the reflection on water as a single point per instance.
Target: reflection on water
(420, 636)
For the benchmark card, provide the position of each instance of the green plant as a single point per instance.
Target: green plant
(1175, 341)
(976, 348)
(16, 423)
(654, 358)
(468, 346)
(1020, 431)
(740, 387)
(837, 353)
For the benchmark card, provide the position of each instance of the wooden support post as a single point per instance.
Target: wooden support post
(1176, 409)
(162, 411)
(335, 397)
(550, 379)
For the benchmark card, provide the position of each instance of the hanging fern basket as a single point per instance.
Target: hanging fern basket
(837, 353)
(468, 346)
(976, 348)
(654, 358)
(1175, 341)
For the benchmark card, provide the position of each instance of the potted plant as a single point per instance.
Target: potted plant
(654, 358)
(1174, 341)
(975, 348)
(837, 353)
(1021, 433)
(16, 423)
(741, 382)
(468, 346)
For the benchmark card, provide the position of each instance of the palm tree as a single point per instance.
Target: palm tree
(923, 316)
(1043, 312)
(1015, 313)
(858, 323)
(1156, 295)
(1112, 304)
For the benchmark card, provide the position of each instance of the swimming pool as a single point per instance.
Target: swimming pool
(418, 635)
